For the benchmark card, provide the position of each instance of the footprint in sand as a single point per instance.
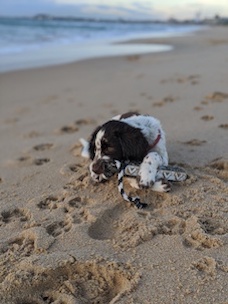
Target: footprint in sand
(28, 160)
(24, 159)
(78, 172)
(75, 202)
(214, 97)
(68, 281)
(217, 96)
(11, 120)
(41, 161)
(165, 100)
(192, 79)
(74, 127)
(219, 164)
(76, 208)
(55, 228)
(146, 96)
(207, 117)
(223, 126)
(49, 202)
(68, 170)
(85, 121)
(32, 134)
(213, 226)
(27, 242)
(16, 214)
(197, 108)
(194, 142)
(71, 210)
(201, 233)
(59, 227)
(208, 266)
(68, 129)
(43, 147)
(205, 102)
(22, 246)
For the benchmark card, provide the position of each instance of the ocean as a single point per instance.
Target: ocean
(30, 42)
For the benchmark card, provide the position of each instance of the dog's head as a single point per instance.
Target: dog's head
(114, 140)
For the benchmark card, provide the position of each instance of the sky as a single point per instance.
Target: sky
(127, 9)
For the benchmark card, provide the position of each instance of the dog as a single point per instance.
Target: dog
(129, 137)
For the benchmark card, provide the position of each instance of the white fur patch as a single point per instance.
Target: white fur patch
(100, 135)
(148, 169)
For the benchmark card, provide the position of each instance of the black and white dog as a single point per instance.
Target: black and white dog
(129, 137)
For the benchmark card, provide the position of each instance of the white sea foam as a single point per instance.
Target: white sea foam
(28, 43)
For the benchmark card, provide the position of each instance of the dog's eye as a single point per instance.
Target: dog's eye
(105, 145)
(107, 148)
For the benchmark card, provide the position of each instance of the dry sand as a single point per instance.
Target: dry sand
(64, 240)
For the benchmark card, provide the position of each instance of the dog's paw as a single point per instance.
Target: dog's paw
(161, 185)
(144, 183)
(146, 174)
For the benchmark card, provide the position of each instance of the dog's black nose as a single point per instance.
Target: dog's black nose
(98, 167)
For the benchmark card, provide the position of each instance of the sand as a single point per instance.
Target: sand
(64, 239)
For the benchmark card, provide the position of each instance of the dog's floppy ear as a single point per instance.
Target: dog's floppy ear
(92, 142)
(133, 144)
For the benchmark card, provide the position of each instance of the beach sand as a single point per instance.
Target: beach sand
(65, 240)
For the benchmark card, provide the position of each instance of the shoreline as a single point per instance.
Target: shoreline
(65, 239)
(38, 59)
(52, 55)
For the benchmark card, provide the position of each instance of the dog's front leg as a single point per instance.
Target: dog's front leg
(147, 173)
(148, 169)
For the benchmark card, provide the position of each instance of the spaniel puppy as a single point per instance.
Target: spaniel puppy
(130, 137)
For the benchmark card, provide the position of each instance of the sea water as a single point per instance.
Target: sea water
(30, 42)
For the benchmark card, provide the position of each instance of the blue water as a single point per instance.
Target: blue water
(20, 37)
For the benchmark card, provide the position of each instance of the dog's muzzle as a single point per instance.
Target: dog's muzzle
(103, 169)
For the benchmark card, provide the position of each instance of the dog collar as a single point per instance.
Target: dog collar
(156, 140)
